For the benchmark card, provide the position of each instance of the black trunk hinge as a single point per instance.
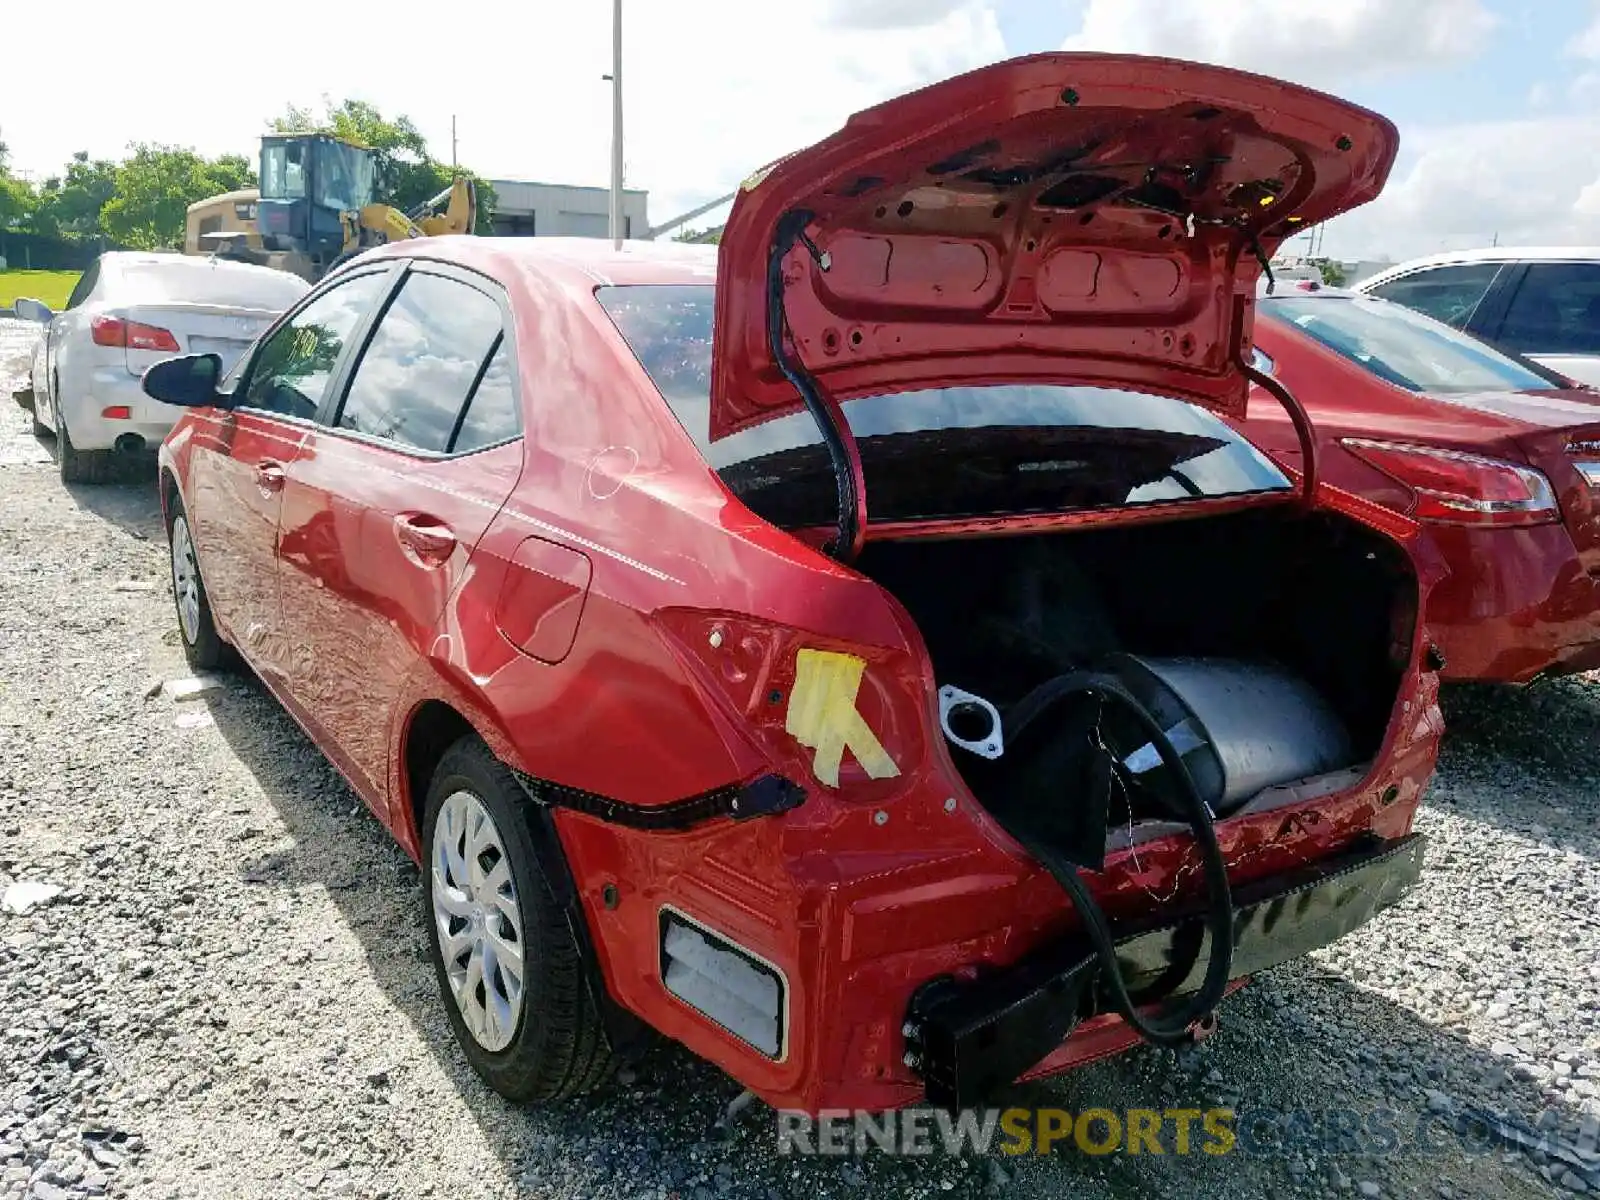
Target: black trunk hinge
(836, 435)
(765, 796)
(1305, 432)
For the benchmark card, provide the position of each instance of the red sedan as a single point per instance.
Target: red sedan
(1499, 458)
(766, 649)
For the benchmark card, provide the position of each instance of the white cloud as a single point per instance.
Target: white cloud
(767, 88)
(714, 88)
(1587, 43)
(1527, 182)
(890, 14)
(1319, 44)
(1530, 181)
(1584, 91)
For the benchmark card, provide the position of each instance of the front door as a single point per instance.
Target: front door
(384, 506)
(241, 457)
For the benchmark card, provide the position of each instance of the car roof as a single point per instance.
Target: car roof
(577, 261)
(1491, 254)
(120, 259)
(135, 258)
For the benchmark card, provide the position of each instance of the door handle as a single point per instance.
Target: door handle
(269, 477)
(427, 539)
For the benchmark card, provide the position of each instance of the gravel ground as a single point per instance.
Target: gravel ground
(229, 996)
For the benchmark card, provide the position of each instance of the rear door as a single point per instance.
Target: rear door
(1553, 317)
(386, 501)
(239, 458)
(60, 332)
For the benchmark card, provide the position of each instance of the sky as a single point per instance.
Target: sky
(1497, 101)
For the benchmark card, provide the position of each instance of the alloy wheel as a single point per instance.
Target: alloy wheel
(185, 579)
(478, 918)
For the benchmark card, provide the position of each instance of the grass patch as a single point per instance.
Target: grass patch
(52, 287)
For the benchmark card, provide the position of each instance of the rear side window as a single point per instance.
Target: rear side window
(943, 452)
(1448, 294)
(85, 285)
(1556, 310)
(491, 416)
(422, 364)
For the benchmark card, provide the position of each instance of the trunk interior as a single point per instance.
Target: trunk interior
(1313, 596)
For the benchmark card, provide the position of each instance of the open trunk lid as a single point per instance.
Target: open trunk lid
(1083, 218)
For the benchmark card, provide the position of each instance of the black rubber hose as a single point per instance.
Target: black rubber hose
(849, 504)
(1171, 1028)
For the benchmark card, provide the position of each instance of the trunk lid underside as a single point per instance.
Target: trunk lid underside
(1092, 219)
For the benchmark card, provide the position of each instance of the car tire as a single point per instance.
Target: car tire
(203, 646)
(548, 1043)
(340, 259)
(79, 466)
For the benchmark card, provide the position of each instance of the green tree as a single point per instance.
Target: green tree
(407, 175)
(72, 203)
(17, 199)
(710, 236)
(153, 190)
(232, 172)
(1332, 273)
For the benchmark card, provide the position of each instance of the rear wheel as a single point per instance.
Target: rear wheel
(78, 466)
(342, 258)
(202, 644)
(511, 976)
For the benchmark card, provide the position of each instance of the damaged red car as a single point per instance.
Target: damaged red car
(865, 655)
(1498, 457)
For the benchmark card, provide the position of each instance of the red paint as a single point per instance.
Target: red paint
(356, 625)
(1519, 601)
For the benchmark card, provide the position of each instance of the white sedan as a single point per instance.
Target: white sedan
(1540, 302)
(131, 310)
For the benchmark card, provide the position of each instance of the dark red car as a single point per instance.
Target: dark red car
(768, 650)
(1497, 456)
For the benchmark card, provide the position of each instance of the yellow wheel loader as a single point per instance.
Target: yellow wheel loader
(314, 208)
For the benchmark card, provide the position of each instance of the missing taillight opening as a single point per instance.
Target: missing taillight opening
(1452, 487)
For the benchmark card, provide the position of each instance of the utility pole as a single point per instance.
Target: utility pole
(616, 124)
(452, 141)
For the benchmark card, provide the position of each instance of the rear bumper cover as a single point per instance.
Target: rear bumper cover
(970, 1038)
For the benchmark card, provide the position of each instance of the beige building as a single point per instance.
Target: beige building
(525, 209)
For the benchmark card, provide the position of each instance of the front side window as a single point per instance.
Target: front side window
(289, 374)
(1556, 310)
(943, 452)
(283, 171)
(1448, 294)
(344, 177)
(1403, 347)
(420, 367)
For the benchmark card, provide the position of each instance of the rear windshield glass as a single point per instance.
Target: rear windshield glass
(204, 281)
(945, 452)
(1404, 347)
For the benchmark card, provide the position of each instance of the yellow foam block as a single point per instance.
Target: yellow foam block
(822, 716)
